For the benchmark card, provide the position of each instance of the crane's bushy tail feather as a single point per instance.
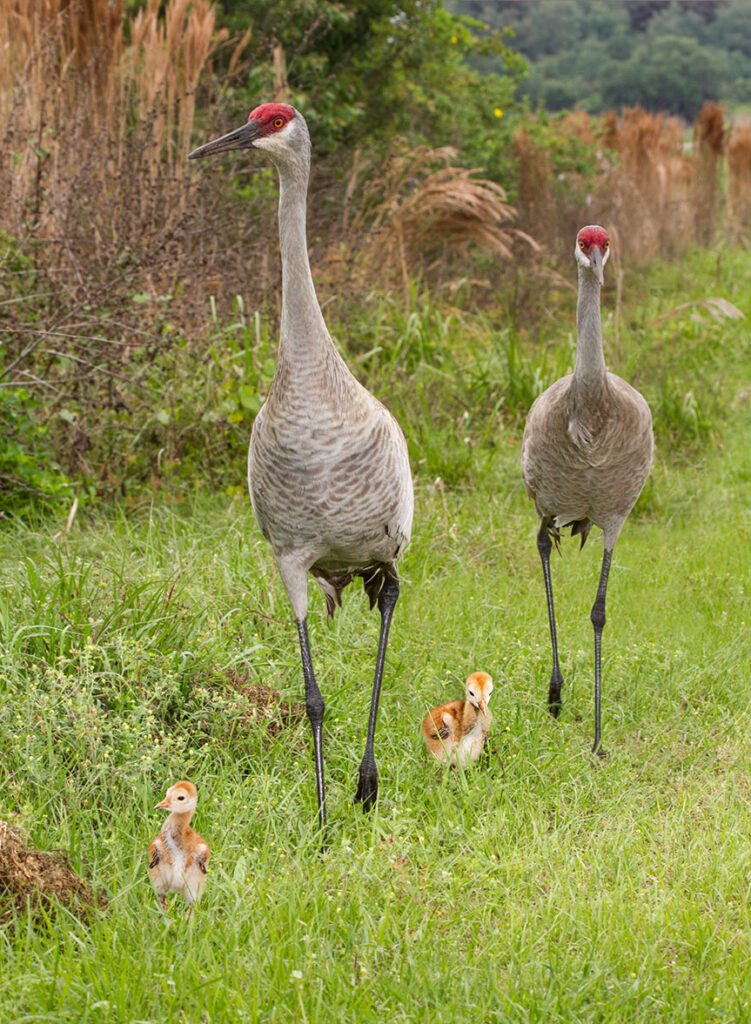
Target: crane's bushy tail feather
(578, 526)
(581, 526)
(332, 587)
(333, 584)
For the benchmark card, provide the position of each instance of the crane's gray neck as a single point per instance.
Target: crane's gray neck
(302, 321)
(589, 368)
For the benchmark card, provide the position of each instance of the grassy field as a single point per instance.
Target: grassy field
(541, 886)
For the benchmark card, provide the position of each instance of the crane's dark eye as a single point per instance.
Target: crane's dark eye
(278, 122)
(181, 798)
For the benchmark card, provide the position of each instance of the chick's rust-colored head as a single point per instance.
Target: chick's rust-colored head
(479, 689)
(181, 798)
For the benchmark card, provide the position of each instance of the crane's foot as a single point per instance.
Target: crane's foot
(367, 789)
(554, 693)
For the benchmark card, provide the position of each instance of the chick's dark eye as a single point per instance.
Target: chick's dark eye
(181, 798)
(278, 122)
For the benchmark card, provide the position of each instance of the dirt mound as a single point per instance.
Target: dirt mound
(266, 705)
(39, 879)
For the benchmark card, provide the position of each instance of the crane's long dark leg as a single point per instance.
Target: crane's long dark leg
(544, 546)
(597, 616)
(315, 707)
(367, 787)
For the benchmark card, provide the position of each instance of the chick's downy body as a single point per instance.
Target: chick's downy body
(456, 732)
(178, 856)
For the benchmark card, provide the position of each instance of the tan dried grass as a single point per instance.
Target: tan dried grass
(96, 113)
(580, 125)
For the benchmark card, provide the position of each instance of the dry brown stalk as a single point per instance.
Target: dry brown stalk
(70, 87)
(739, 181)
(650, 189)
(537, 208)
(709, 147)
(281, 87)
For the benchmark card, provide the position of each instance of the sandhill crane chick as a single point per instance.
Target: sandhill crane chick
(456, 732)
(178, 857)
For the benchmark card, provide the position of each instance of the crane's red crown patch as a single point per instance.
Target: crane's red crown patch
(272, 116)
(593, 235)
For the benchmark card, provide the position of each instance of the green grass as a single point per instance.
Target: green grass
(541, 886)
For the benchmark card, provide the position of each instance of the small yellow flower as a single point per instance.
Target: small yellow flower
(498, 112)
(454, 39)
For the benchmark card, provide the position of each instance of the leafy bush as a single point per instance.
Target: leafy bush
(373, 70)
(29, 468)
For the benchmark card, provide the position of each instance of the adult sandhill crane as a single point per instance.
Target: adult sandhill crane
(586, 452)
(328, 468)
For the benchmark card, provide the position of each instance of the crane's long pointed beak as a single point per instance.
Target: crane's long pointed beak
(595, 262)
(241, 138)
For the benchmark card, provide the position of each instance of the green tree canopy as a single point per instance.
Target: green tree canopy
(375, 68)
(670, 73)
(668, 55)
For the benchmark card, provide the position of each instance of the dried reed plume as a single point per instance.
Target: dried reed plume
(423, 209)
(96, 114)
(554, 202)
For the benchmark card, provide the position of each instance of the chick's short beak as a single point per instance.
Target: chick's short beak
(484, 707)
(241, 138)
(163, 805)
